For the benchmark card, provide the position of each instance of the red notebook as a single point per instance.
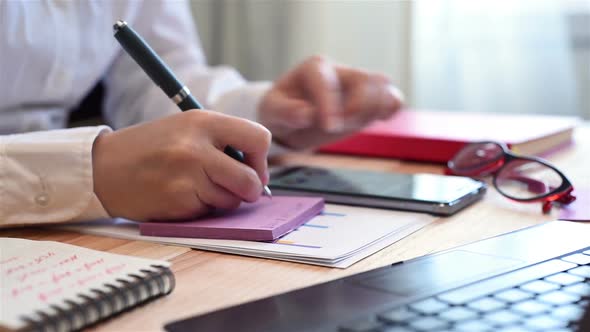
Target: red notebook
(436, 136)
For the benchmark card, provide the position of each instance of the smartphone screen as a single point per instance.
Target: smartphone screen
(432, 193)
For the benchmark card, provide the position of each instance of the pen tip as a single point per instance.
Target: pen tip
(267, 192)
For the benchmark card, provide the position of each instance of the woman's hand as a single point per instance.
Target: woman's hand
(175, 168)
(319, 101)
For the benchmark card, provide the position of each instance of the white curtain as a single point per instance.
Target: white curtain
(250, 35)
(263, 38)
(478, 55)
(498, 56)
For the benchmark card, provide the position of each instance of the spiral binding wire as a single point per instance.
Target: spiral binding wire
(100, 304)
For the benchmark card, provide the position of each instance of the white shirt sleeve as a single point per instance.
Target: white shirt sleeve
(46, 177)
(169, 29)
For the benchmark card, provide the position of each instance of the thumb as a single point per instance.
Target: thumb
(288, 112)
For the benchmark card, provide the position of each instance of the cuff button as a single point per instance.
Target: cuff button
(42, 199)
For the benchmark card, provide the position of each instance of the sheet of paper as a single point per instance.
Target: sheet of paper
(265, 220)
(37, 274)
(339, 237)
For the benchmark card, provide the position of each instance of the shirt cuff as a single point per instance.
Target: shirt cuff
(46, 177)
(243, 102)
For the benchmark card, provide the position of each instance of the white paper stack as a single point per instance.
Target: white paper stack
(339, 237)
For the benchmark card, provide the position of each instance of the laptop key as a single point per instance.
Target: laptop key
(365, 324)
(580, 259)
(397, 329)
(456, 314)
(515, 328)
(569, 312)
(502, 317)
(531, 307)
(428, 324)
(397, 315)
(582, 271)
(539, 286)
(474, 326)
(558, 298)
(429, 306)
(509, 280)
(486, 304)
(564, 278)
(513, 295)
(582, 289)
(544, 322)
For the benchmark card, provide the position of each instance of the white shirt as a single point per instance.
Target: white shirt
(51, 55)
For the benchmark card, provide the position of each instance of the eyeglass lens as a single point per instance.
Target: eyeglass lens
(475, 157)
(526, 179)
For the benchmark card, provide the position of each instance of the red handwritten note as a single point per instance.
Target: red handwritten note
(37, 274)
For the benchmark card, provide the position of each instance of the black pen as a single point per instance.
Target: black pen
(161, 74)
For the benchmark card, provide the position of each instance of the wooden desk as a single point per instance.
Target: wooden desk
(208, 281)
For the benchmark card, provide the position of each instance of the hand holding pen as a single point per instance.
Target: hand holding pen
(175, 167)
(163, 77)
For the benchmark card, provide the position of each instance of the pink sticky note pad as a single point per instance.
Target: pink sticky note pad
(265, 220)
(578, 210)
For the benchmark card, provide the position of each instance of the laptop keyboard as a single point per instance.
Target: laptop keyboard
(550, 296)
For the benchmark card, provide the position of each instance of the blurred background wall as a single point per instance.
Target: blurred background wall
(491, 56)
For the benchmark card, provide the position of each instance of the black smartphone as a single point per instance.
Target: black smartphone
(431, 193)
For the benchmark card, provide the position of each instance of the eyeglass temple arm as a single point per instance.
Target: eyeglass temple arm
(534, 186)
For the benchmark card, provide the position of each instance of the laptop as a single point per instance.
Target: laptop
(535, 279)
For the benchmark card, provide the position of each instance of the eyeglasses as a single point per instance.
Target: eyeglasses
(520, 178)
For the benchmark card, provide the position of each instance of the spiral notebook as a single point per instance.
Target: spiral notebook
(52, 286)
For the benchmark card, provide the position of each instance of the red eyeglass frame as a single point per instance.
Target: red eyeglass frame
(561, 194)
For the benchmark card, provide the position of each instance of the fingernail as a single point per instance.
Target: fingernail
(397, 93)
(335, 124)
(304, 117)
